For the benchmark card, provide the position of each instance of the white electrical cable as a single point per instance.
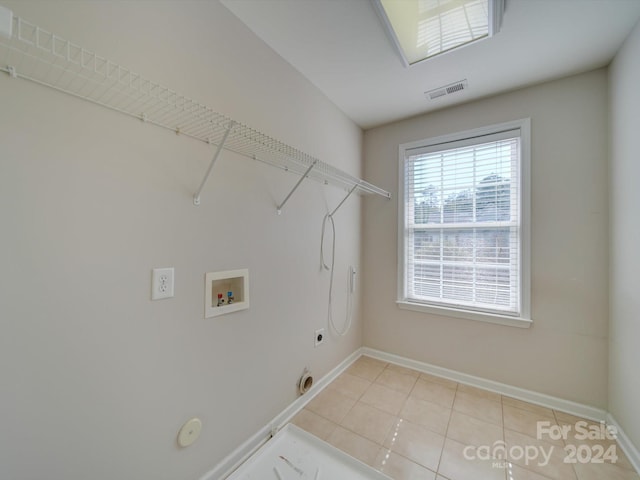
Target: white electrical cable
(347, 325)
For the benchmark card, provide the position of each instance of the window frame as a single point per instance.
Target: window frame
(523, 320)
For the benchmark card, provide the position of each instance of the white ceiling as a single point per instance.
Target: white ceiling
(343, 49)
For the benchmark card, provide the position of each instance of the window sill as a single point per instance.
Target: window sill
(518, 322)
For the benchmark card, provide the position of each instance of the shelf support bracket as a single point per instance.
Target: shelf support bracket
(279, 208)
(353, 189)
(196, 197)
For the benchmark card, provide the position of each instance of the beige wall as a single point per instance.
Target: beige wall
(96, 378)
(565, 352)
(624, 329)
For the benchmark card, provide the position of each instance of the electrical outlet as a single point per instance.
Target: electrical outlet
(162, 283)
(319, 337)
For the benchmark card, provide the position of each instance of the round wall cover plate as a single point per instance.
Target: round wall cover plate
(189, 432)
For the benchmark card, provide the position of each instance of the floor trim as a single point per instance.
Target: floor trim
(232, 461)
(574, 408)
(625, 443)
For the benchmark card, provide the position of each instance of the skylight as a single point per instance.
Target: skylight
(422, 29)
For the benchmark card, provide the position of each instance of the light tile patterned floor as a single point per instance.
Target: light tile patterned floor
(412, 425)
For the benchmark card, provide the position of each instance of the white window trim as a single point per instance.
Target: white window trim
(524, 320)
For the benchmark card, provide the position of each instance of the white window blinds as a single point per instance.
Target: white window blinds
(462, 224)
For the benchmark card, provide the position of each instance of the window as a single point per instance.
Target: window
(463, 233)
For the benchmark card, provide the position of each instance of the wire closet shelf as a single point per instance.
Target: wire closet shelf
(40, 56)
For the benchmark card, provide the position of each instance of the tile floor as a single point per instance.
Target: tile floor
(412, 425)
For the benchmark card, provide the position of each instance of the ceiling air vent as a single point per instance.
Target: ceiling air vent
(446, 90)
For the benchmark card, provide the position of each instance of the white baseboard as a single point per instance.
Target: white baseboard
(244, 451)
(232, 461)
(541, 399)
(627, 446)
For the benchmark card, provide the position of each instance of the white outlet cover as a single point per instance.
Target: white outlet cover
(319, 333)
(162, 283)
